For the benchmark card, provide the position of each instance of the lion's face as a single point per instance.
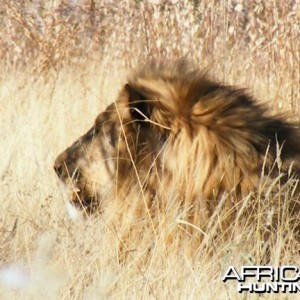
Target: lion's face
(106, 157)
(88, 167)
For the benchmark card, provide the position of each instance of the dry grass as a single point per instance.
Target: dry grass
(62, 64)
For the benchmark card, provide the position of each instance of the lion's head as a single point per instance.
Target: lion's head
(174, 124)
(114, 152)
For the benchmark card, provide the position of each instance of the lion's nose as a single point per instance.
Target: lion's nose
(59, 164)
(58, 169)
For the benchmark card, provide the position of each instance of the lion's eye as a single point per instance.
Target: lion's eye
(94, 132)
(112, 137)
(89, 136)
(109, 135)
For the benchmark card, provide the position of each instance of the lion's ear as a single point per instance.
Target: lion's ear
(138, 101)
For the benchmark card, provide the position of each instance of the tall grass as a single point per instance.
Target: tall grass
(62, 62)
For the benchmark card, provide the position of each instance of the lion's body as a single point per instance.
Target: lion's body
(174, 128)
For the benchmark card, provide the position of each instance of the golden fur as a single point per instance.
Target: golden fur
(174, 128)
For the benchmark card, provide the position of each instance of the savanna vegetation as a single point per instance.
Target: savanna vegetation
(61, 63)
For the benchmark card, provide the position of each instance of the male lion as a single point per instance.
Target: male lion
(172, 128)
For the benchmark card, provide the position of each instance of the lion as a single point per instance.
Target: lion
(174, 128)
